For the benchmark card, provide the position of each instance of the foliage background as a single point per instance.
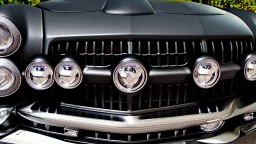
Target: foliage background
(241, 4)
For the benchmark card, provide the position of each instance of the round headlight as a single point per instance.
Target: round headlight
(206, 72)
(10, 38)
(68, 74)
(250, 68)
(10, 78)
(39, 75)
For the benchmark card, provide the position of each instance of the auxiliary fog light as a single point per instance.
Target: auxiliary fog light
(39, 74)
(250, 68)
(68, 74)
(211, 127)
(206, 72)
(10, 78)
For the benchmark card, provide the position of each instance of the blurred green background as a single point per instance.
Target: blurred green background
(241, 4)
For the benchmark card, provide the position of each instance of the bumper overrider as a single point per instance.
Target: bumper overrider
(130, 125)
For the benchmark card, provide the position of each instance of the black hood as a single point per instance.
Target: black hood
(130, 7)
(138, 19)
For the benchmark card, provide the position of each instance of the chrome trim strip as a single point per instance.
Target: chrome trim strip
(223, 138)
(131, 124)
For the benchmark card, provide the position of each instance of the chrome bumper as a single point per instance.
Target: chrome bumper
(132, 124)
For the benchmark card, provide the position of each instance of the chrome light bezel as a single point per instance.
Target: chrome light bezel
(72, 63)
(116, 75)
(12, 68)
(216, 78)
(39, 62)
(16, 37)
(248, 59)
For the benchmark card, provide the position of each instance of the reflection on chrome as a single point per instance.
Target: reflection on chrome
(250, 68)
(6, 38)
(39, 75)
(6, 79)
(206, 73)
(68, 74)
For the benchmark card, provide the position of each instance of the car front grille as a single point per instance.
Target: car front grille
(103, 53)
(162, 53)
(152, 53)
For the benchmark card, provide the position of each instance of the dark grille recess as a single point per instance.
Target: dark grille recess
(152, 96)
(226, 51)
(102, 53)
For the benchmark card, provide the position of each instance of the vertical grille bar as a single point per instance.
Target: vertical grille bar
(185, 92)
(102, 53)
(77, 47)
(140, 98)
(232, 52)
(242, 48)
(111, 97)
(158, 54)
(86, 94)
(102, 97)
(185, 52)
(222, 50)
(178, 94)
(150, 97)
(85, 52)
(160, 96)
(95, 96)
(120, 101)
(176, 54)
(149, 55)
(251, 45)
(93, 52)
(139, 48)
(169, 95)
(67, 47)
(213, 48)
(121, 47)
(167, 54)
(111, 47)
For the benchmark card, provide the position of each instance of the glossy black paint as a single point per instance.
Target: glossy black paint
(108, 19)
(129, 7)
(71, 6)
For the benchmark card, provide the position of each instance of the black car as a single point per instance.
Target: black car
(126, 71)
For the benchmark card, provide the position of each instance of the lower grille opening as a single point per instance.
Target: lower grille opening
(106, 96)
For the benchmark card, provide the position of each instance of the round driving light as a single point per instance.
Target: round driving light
(130, 76)
(10, 38)
(206, 72)
(211, 127)
(10, 78)
(250, 68)
(68, 74)
(39, 75)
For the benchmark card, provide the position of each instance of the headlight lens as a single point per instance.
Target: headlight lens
(250, 68)
(68, 74)
(206, 72)
(10, 78)
(39, 75)
(10, 38)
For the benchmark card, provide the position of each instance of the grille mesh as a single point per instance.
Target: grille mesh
(102, 53)
(106, 96)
